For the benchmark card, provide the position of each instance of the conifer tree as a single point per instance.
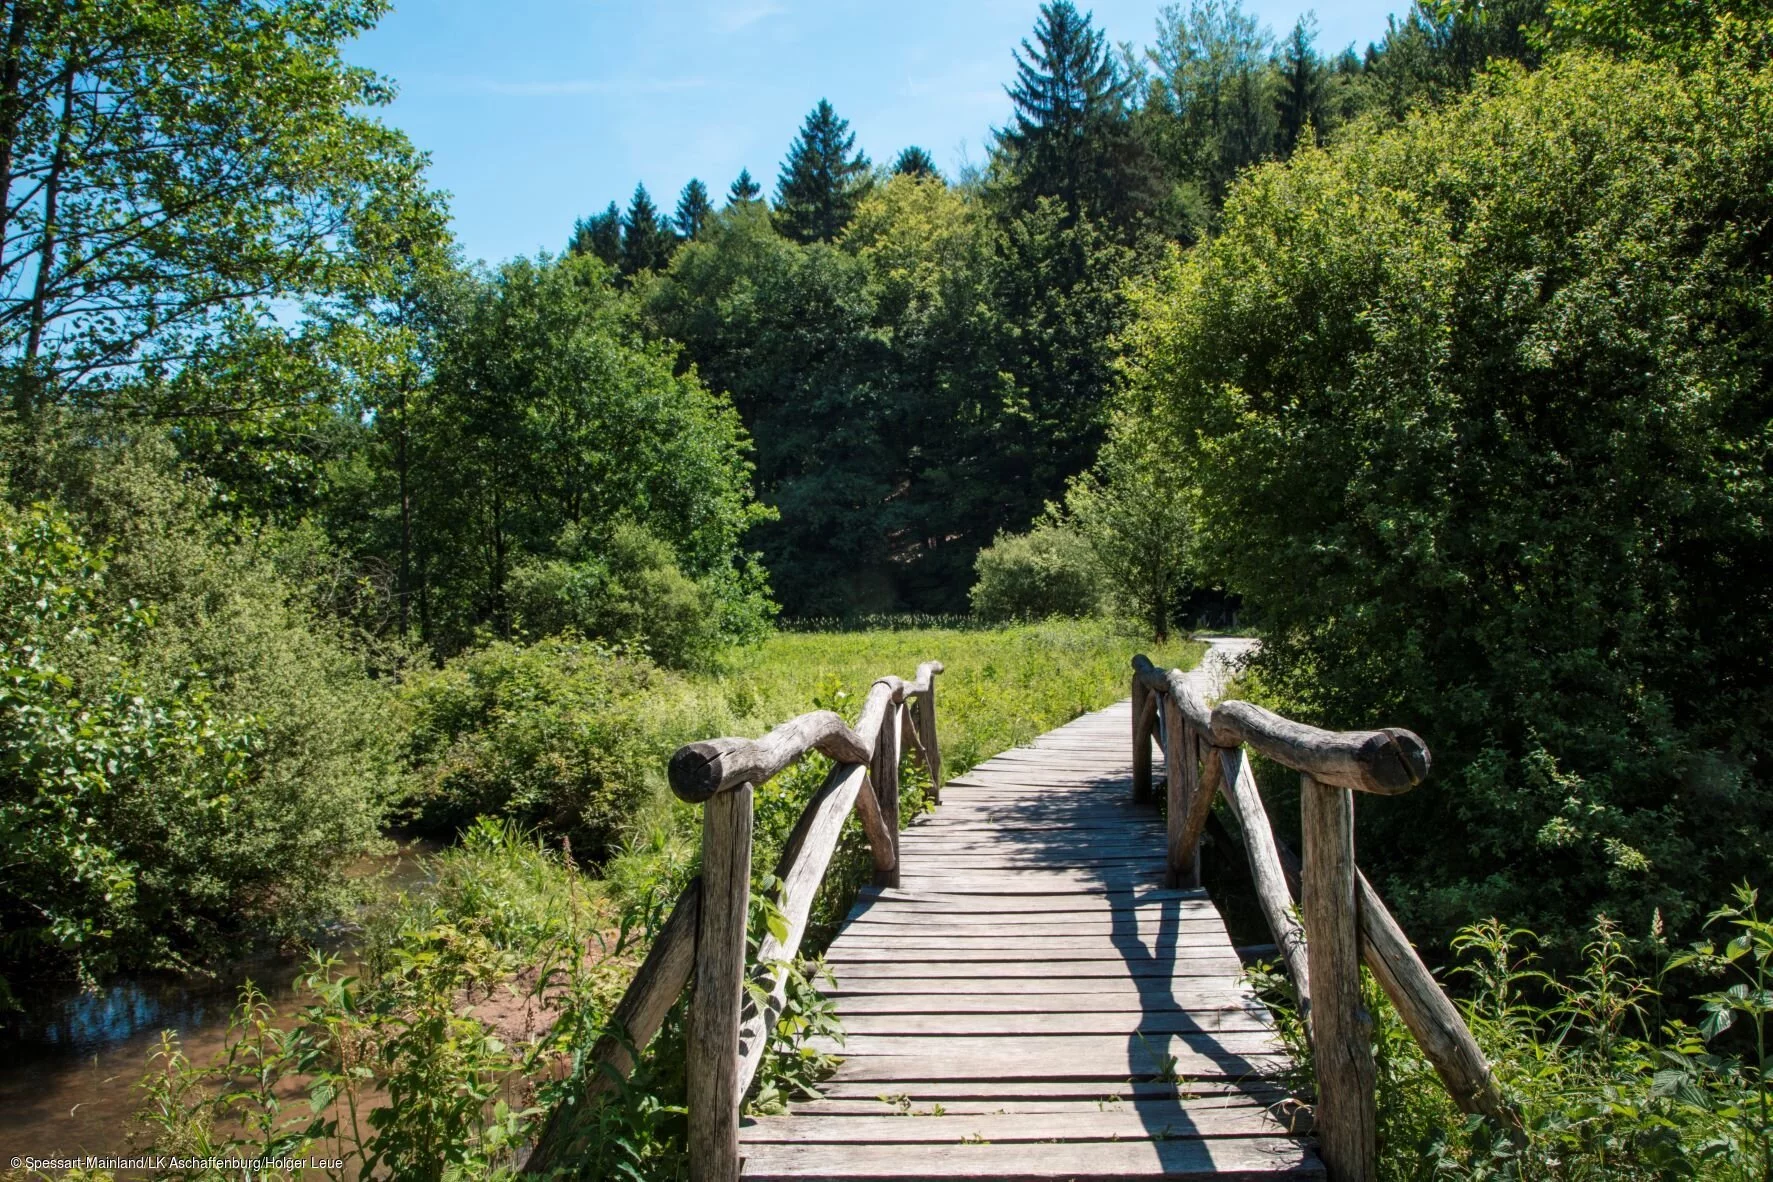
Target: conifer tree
(647, 243)
(821, 180)
(600, 235)
(1300, 102)
(743, 189)
(693, 209)
(1066, 91)
(914, 161)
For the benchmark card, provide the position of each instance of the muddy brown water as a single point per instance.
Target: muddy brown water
(71, 1066)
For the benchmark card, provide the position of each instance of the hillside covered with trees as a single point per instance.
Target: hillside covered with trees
(1444, 366)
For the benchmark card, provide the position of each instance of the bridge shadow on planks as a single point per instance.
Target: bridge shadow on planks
(1031, 1002)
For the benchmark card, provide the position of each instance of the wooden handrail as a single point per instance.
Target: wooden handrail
(1343, 916)
(705, 935)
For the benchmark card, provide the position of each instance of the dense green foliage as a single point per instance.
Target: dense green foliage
(1474, 409)
(1048, 571)
(552, 444)
(189, 753)
(1609, 1086)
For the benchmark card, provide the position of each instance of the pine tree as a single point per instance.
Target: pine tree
(693, 209)
(1066, 91)
(821, 181)
(744, 189)
(914, 161)
(600, 234)
(647, 243)
(1300, 102)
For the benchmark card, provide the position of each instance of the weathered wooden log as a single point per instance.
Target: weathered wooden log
(1181, 786)
(1144, 716)
(1200, 807)
(1387, 762)
(1238, 784)
(923, 727)
(698, 771)
(884, 774)
(925, 681)
(801, 869)
(1148, 676)
(1341, 1028)
(1194, 707)
(654, 990)
(713, 1052)
(1430, 1015)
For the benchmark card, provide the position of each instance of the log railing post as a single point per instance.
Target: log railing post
(884, 772)
(1144, 711)
(1341, 1028)
(713, 1059)
(923, 717)
(1182, 782)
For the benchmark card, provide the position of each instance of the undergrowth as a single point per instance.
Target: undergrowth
(476, 998)
(1611, 1083)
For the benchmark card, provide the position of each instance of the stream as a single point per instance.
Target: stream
(71, 1065)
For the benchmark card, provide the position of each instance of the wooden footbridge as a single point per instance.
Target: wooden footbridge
(1037, 987)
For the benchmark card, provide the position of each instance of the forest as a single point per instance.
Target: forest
(1445, 368)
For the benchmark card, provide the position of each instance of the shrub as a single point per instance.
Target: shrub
(1474, 410)
(1609, 1088)
(190, 758)
(566, 735)
(1048, 571)
(628, 591)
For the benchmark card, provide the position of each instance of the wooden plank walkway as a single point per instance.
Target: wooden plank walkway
(1031, 1003)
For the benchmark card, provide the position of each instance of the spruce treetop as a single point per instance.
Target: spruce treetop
(693, 209)
(914, 161)
(647, 241)
(822, 179)
(743, 189)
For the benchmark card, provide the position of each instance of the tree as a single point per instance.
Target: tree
(600, 235)
(1484, 442)
(914, 161)
(693, 209)
(170, 173)
(743, 190)
(821, 180)
(1066, 93)
(548, 412)
(1134, 524)
(1215, 83)
(647, 241)
(1300, 102)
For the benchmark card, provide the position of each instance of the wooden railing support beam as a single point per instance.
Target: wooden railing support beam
(713, 1053)
(1341, 1028)
(884, 774)
(1144, 714)
(1181, 787)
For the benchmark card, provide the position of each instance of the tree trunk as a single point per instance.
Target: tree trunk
(52, 188)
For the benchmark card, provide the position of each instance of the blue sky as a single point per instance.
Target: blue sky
(538, 111)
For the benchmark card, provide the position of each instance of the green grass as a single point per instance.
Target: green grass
(999, 687)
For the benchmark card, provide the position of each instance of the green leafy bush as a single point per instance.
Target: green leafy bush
(566, 734)
(189, 757)
(628, 591)
(1048, 571)
(1473, 411)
